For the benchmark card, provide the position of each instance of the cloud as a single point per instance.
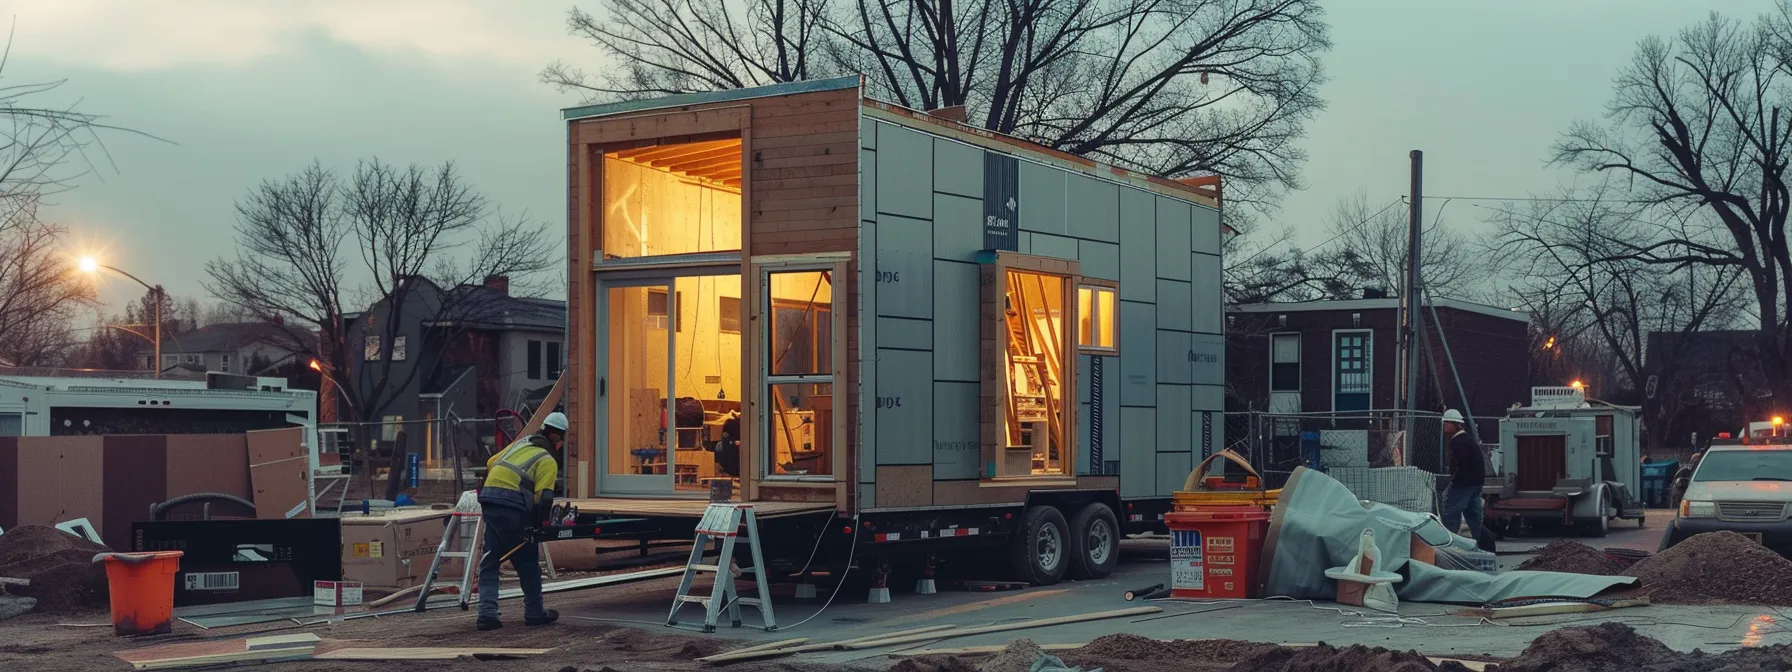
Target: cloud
(140, 36)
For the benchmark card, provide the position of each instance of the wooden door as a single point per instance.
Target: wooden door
(1542, 461)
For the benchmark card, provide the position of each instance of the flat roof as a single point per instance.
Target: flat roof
(1375, 304)
(706, 97)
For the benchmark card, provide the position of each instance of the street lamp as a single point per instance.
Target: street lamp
(321, 370)
(90, 265)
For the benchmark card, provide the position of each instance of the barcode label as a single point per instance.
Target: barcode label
(213, 581)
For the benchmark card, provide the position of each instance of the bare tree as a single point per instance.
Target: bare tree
(1170, 87)
(1699, 130)
(303, 237)
(40, 292)
(1371, 240)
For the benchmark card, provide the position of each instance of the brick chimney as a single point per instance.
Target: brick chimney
(498, 283)
(953, 113)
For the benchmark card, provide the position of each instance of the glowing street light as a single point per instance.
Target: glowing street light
(90, 266)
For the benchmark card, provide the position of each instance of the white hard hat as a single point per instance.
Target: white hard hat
(556, 420)
(1450, 415)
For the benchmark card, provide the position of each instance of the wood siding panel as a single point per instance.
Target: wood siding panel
(58, 480)
(9, 479)
(134, 475)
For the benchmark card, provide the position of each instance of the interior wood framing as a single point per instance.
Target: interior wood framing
(993, 412)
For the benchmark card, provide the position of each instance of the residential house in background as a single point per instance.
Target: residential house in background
(465, 352)
(1698, 384)
(1338, 360)
(247, 348)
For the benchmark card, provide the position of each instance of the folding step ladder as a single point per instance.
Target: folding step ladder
(725, 522)
(459, 541)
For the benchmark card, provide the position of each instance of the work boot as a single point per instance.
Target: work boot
(545, 618)
(489, 623)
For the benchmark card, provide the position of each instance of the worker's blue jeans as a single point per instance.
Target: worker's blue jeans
(506, 528)
(1463, 502)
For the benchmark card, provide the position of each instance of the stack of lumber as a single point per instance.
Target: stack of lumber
(279, 648)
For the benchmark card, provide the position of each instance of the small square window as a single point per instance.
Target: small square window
(1097, 319)
(658, 313)
(370, 350)
(398, 348)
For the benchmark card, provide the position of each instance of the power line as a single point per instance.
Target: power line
(1524, 199)
(1347, 231)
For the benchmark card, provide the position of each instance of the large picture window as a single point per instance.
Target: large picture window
(1033, 329)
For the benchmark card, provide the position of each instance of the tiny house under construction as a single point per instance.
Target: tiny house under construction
(914, 322)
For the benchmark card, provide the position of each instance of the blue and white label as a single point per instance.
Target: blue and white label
(1188, 569)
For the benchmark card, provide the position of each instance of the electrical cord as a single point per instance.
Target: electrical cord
(840, 581)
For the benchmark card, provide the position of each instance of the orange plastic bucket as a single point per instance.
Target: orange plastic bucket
(1213, 551)
(142, 587)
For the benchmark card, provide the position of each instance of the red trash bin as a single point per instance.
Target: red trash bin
(142, 591)
(1214, 550)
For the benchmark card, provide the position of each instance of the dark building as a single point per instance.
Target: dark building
(1701, 383)
(1341, 357)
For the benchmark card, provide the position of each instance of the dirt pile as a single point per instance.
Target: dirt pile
(1355, 658)
(1132, 653)
(1563, 555)
(1716, 567)
(1019, 656)
(674, 647)
(1615, 647)
(60, 566)
(932, 664)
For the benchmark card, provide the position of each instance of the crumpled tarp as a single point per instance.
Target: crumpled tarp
(1317, 524)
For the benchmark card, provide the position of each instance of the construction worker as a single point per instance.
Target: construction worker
(519, 489)
(1468, 472)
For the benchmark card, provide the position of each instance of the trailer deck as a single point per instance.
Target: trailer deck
(685, 508)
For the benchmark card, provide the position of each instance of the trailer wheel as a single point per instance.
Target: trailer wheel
(1040, 551)
(1094, 542)
(1600, 525)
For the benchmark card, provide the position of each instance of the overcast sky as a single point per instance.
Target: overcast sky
(247, 90)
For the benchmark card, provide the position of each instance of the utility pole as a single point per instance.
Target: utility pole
(1411, 320)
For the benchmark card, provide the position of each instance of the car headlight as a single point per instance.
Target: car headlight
(1694, 509)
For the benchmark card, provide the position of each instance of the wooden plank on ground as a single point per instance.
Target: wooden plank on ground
(1004, 627)
(772, 645)
(979, 650)
(425, 653)
(744, 654)
(194, 654)
(304, 639)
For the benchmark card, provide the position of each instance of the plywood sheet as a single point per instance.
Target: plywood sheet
(1047, 245)
(57, 480)
(867, 185)
(208, 463)
(1042, 199)
(904, 407)
(1209, 365)
(1206, 234)
(1094, 208)
(1099, 260)
(957, 168)
(904, 333)
(904, 172)
(10, 488)
(956, 304)
(1138, 353)
(905, 486)
(904, 267)
(1174, 434)
(1172, 238)
(430, 653)
(1175, 305)
(1208, 299)
(1138, 245)
(1175, 358)
(956, 441)
(134, 475)
(957, 227)
(277, 466)
(1172, 471)
(1138, 452)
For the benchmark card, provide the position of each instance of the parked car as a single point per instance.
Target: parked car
(1746, 489)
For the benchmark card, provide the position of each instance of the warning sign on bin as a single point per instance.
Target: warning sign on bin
(1188, 568)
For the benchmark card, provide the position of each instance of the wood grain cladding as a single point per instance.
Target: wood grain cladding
(801, 182)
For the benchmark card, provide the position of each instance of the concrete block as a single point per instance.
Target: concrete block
(957, 227)
(957, 168)
(1041, 198)
(904, 267)
(904, 407)
(905, 172)
(1092, 208)
(1138, 245)
(1099, 260)
(1172, 238)
(956, 307)
(957, 437)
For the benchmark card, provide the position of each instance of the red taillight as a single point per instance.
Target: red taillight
(846, 530)
(1007, 516)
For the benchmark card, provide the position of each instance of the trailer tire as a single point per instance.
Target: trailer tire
(1039, 552)
(1600, 525)
(1094, 542)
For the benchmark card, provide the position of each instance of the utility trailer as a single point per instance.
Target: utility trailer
(1569, 460)
(930, 338)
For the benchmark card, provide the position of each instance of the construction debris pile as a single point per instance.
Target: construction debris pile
(1615, 646)
(59, 566)
(1132, 653)
(1563, 555)
(1716, 567)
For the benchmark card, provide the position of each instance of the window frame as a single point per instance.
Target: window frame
(372, 348)
(767, 381)
(552, 359)
(532, 359)
(995, 266)
(1298, 362)
(1098, 287)
(1337, 374)
(400, 348)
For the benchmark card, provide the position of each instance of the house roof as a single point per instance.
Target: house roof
(487, 308)
(1375, 304)
(228, 338)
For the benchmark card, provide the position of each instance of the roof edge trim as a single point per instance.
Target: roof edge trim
(705, 97)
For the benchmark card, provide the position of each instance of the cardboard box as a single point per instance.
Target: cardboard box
(336, 593)
(392, 550)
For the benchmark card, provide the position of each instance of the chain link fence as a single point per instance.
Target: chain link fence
(446, 451)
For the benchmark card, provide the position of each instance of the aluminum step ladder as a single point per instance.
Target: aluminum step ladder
(459, 541)
(725, 522)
